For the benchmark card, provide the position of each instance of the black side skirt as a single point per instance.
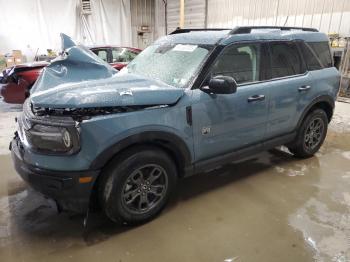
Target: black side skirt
(209, 164)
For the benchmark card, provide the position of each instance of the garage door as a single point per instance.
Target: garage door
(194, 14)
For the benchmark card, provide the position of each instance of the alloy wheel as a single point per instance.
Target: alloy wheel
(313, 134)
(144, 188)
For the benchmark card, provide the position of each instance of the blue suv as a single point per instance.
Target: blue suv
(192, 101)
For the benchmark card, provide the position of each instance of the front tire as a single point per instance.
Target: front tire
(136, 185)
(311, 134)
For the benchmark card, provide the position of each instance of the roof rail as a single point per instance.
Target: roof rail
(248, 29)
(187, 30)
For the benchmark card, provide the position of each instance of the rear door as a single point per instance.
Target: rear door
(325, 77)
(289, 82)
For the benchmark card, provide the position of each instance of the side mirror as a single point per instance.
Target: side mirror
(221, 85)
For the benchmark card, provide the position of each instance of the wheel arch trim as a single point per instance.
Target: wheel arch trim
(329, 100)
(168, 141)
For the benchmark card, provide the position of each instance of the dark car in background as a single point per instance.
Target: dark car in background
(16, 81)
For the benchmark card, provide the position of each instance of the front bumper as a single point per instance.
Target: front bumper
(64, 187)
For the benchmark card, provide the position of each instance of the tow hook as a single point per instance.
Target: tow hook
(14, 137)
(86, 218)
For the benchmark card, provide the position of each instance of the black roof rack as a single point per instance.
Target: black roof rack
(187, 30)
(248, 29)
(242, 29)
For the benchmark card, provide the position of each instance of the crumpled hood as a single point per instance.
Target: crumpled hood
(118, 90)
(75, 64)
(80, 79)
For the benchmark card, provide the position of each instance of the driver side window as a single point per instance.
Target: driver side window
(240, 61)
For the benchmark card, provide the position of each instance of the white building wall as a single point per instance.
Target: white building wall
(329, 16)
(34, 25)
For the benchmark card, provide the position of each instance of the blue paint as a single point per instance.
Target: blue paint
(82, 80)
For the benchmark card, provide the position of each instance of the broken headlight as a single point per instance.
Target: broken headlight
(53, 139)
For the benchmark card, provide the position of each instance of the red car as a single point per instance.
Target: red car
(117, 57)
(16, 81)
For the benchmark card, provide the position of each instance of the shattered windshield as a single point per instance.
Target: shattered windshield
(173, 64)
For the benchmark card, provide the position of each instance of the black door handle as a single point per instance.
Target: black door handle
(304, 88)
(256, 98)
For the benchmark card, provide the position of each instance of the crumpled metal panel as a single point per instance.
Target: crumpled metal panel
(81, 80)
(76, 64)
(119, 90)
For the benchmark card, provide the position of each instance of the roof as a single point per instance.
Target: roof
(275, 35)
(227, 36)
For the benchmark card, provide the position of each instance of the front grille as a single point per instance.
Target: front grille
(45, 119)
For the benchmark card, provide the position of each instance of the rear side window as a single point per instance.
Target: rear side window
(285, 60)
(101, 53)
(321, 49)
(242, 62)
(122, 55)
(310, 58)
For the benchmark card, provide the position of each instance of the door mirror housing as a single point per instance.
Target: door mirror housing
(221, 85)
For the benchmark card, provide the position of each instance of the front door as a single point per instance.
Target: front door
(227, 122)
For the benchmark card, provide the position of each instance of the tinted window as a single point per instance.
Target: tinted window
(285, 60)
(321, 49)
(242, 62)
(312, 62)
(122, 55)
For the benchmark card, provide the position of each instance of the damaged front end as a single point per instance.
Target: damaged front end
(81, 85)
(80, 114)
(78, 108)
(44, 151)
(75, 64)
(46, 134)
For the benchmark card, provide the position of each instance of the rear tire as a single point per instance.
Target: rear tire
(137, 184)
(311, 134)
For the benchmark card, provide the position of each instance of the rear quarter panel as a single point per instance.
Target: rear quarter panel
(15, 92)
(325, 82)
(31, 75)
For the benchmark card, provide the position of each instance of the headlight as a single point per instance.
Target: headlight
(53, 139)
